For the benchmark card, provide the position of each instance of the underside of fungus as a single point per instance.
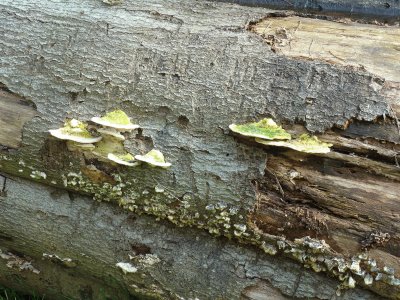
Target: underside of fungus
(125, 159)
(116, 119)
(305, 143)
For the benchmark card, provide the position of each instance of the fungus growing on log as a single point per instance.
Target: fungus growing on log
(264, 129)
(111, 147)
(126, 267)
(75, 131)
(154, 158)
(108, 147)
(123, 159)
(305, 143)
(116, 119)
(112, 133)
(74, 146)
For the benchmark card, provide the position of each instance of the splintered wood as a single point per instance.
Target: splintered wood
(373, 47)
(348, 200)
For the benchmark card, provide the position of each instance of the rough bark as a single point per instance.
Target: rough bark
(185, 71)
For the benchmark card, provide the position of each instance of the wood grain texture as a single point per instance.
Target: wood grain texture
(373, 47)
(14, 113)
(96, 236)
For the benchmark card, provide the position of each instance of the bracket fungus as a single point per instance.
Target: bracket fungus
(305, 143)
(264, 129)
(154, 158)
(126, 159)
(109, 146)
(111, 132)
(126, 267)
(75, 131)
(116, 119)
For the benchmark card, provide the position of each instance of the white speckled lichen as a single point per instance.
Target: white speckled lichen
(222, 219)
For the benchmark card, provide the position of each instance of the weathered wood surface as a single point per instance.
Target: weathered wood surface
(14, 112)
(373, 47)
(97, 236)
(185, 71)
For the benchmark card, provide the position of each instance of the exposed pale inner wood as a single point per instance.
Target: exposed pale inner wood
(335, 197)
(376, 48)
(13, 115)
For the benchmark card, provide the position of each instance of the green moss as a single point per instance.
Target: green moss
(9, 294)
(264, 129)
(117, 117)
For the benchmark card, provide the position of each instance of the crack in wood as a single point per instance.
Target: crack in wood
(3, 184)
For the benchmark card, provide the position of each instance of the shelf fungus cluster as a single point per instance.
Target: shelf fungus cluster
(104, 140)
(267, 132)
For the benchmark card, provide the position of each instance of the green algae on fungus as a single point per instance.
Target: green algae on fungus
(264, 129)
(106, 146)
(305, 143)
(116, 119)
(76, 131)
(125, 159)
(154, 158)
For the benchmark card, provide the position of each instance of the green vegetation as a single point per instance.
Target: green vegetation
(9, 294)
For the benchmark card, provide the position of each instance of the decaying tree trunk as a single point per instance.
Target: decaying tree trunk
(231, 219)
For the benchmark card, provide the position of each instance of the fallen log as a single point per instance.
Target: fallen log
(231, 218)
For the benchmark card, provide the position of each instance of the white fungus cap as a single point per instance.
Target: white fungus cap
(114, 125)
(119, 159)
(58, 133)
(154, 158)
(116, 119)
(126, 267)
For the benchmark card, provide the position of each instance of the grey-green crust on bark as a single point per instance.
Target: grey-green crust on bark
(95, 236)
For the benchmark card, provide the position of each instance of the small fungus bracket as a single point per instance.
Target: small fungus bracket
(103, 141)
